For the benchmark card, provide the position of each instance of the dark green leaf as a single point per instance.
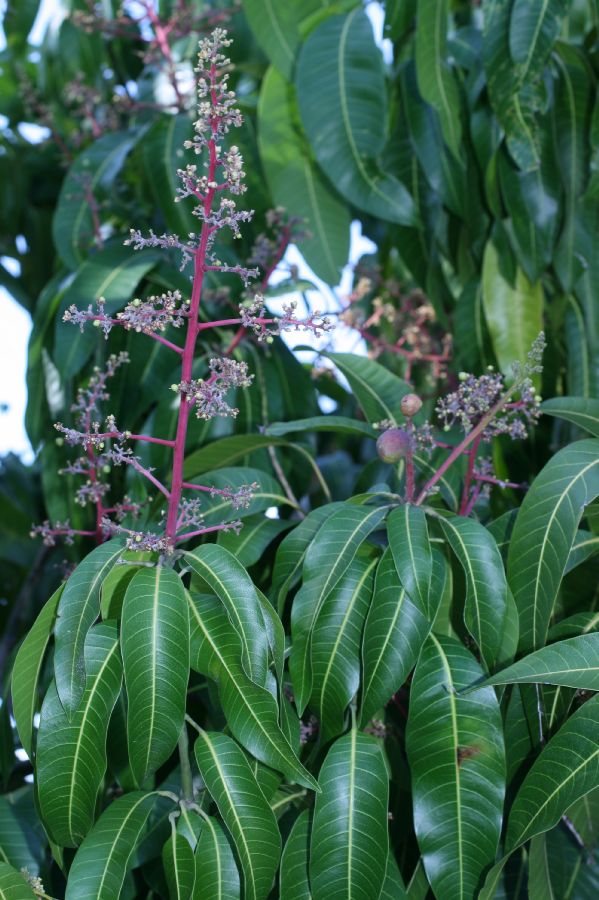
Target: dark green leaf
(13, 885)
(408, 539)
(336, 424)
(217, 877)
(179, 866)
(15, 839)
(257, 534)
(275, 27)
(581, 411)
(377, 390)
(294, 883)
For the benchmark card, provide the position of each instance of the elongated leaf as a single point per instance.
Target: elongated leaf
(393, 886)
(393, 635)
(13, 885)
(250, 709)
(217, 877)
(336, 644)
(327, 558)
(411, 550)
(340, 64)
(348, 850)
(294, 883)
(27, 668)
(486, 588)
(544, 532)
(218, 509)
(78, 607)
(225, 452)
(457, 761)
(337, 424)
(514, 314)
(155, 649)
(94, 170)
(71, 755)
(581, 411)
(296, 182)
(566, 769)
(230, 582)
(257, 534)
(534, 26)
(436, 81)
(15, 839)
(572, 663)
(245, 812)
(377, 390)
(275, 27)
(102, 860)
(161, 150)
(179, 866)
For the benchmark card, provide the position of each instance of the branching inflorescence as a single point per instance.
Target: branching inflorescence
(221, 174)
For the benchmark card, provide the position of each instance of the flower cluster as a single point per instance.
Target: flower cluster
(154, 314)
(209, 395)
(255, 317)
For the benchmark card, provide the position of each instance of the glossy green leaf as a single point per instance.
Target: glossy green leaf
(294, 882)
(340, 64)
(336, 424)
(348, 848)
(15, 839)
(485, 610)
(275, 27)
(410, 546)
(179, 866)
(162, 151)
(250, 709)
(393, 635)
(230, 582)
(218, 509)
(78, 608)
(581, 411)
(155, 650)
(225, 452)
(216, 874)
(71, 754)
(13, 885)
(514, 313)
(544, 532)
(376, 389)
(436, 81)
(534, 26)
(336, 641)
(327, 558)
(257, 534)
(245, 812)
(572, 663)
(457, 761)
(393, 885)
(27, 668)
(103, 859)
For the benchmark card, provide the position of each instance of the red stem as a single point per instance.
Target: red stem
(191, 534)
(464, 503)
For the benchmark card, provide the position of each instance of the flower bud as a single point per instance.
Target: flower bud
(393, 445)
(410, 405)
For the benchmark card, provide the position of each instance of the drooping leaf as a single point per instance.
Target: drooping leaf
(294, 883)
(349, 843)
(336, 424)
(27, 668)
(275, 27)
(216, 874)
(179, 866)
(162, 149)
(410, 546)
(336, 643)
(581, 411)
(13, 885)
(377, 390)
(393, 635)
(155, 650)
(327, 558)
(457, 762)
(544, 532)
(15, 839)
(78, 608)
(103, 859)
(244, 809)
(256, 535)
(340, 64)
(71, 754)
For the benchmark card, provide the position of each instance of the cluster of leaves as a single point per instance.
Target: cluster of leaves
(389, 672)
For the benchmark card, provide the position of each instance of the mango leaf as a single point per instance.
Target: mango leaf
(13, 885)
(336, 424)
(571, 663)
(566, 769)
(78, 608)
(336, 643)
(534, 27)
(15, 839)
(162, 155)
(410, 546)
(257, 534)
(217, 877)
(71, 755)
(436, 81)
(349, 844)
(250, 709)
(514, 314)
(113, 273)
(294, 883)
(581, 411)
(295, 181)
(544, 532)
(393, 886)
(244, 809)
(275, 27)
(27, 668)
(93, 171)
(102, 861)
(233, 586)
(226, 452)
(340, 64)
(377, 390)
(155, 650)
(179, 866)
(485, 610)
(457, 761)
(393, 635)
(327, 558)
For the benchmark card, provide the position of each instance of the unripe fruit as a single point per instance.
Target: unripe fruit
(393, 445)
(410, 405)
